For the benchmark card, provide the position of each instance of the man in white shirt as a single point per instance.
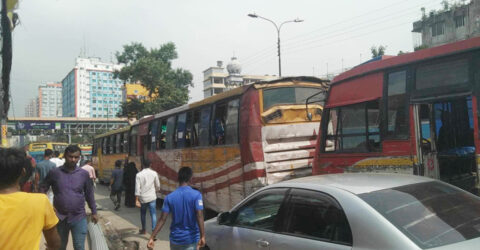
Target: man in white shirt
(58, 162)
(146, 186)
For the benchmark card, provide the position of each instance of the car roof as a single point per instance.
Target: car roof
(356, 183)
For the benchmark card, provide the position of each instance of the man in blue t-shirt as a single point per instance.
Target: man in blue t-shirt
(185, 204)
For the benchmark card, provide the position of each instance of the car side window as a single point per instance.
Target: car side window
(316, 215)
(261, 212)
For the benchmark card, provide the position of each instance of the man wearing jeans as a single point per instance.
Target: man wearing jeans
(146, 185)
(71, 186)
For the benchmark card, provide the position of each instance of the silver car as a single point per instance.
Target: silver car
(351, 211)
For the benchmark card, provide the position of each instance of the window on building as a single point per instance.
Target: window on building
(397, 106)
(438, 29)
(354, 128)
(459, 21)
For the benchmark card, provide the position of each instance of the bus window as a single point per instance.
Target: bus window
(232, 122)
(204, 127)
(188, 130)
(104, 145)
(125, 142)
(94, 147)
(353, 122)
(397, 106)
(112, 144)
(118, 143)
(170, 133)
(195, 127)
(180, 131)
(289, 95)
(218, 126)
(153, 135)
(162, 134)
(133, 145)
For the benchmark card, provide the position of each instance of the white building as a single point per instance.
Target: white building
(216, 80)
(50, 100)
(90, 90)
(31, 110)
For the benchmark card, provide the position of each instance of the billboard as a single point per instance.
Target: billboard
(38, 125)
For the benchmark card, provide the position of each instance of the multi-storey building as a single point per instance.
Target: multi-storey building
(31, 110)
(454, 23)
(216, 80)
(90, 90)
(50, 100)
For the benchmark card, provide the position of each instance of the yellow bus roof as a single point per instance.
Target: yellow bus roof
(116, 131)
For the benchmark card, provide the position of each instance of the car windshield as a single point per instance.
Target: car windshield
(431, 214)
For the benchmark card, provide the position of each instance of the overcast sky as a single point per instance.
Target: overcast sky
(337, 33)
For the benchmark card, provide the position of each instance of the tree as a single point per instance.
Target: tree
(378, 51)
(167, 87)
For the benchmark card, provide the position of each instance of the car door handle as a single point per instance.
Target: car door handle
(262, 243)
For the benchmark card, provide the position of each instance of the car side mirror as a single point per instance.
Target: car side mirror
(224, 218)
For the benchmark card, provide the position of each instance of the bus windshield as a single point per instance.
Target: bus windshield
(290, 95)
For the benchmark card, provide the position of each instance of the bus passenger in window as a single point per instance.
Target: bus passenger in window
(219, 131)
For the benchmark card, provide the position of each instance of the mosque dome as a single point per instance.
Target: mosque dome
(234, 67)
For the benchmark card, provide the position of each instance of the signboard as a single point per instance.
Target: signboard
(38, 125)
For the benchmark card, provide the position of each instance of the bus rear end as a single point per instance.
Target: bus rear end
(288, 135)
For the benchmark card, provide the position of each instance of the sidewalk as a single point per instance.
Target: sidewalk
(126, 222)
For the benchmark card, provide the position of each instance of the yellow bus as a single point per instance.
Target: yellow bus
(108, 148)
(37, 149)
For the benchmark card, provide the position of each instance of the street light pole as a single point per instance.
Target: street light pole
(277, 27)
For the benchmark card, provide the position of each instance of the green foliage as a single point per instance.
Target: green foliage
(167, 87)
(423, 46)
(378, 51)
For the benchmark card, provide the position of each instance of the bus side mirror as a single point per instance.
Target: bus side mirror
(309, 116)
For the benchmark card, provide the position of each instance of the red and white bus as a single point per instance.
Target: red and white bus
(415, 113)
(236, 141)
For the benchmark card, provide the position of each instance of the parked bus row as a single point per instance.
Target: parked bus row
(236, 141)
(416, 113)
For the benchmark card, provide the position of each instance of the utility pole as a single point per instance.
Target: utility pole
(6, 68)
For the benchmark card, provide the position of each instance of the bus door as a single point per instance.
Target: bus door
(425, 135)
(444, 134)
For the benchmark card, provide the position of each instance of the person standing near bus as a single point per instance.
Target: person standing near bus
(129, 175)
(58, 162)
(91, 171)
(71, 188)
(42, 169)
(116, 184)
(21, 226)
(187, 231)
(146, 186)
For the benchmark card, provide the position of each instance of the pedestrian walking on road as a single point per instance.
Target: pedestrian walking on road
(23, 216)
(42, 169)
(187, 231)
(146, 186)
(91, 171)
(71, 187)
(129, 175)
(116, 185)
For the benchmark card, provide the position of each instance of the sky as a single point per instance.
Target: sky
(335, 35)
